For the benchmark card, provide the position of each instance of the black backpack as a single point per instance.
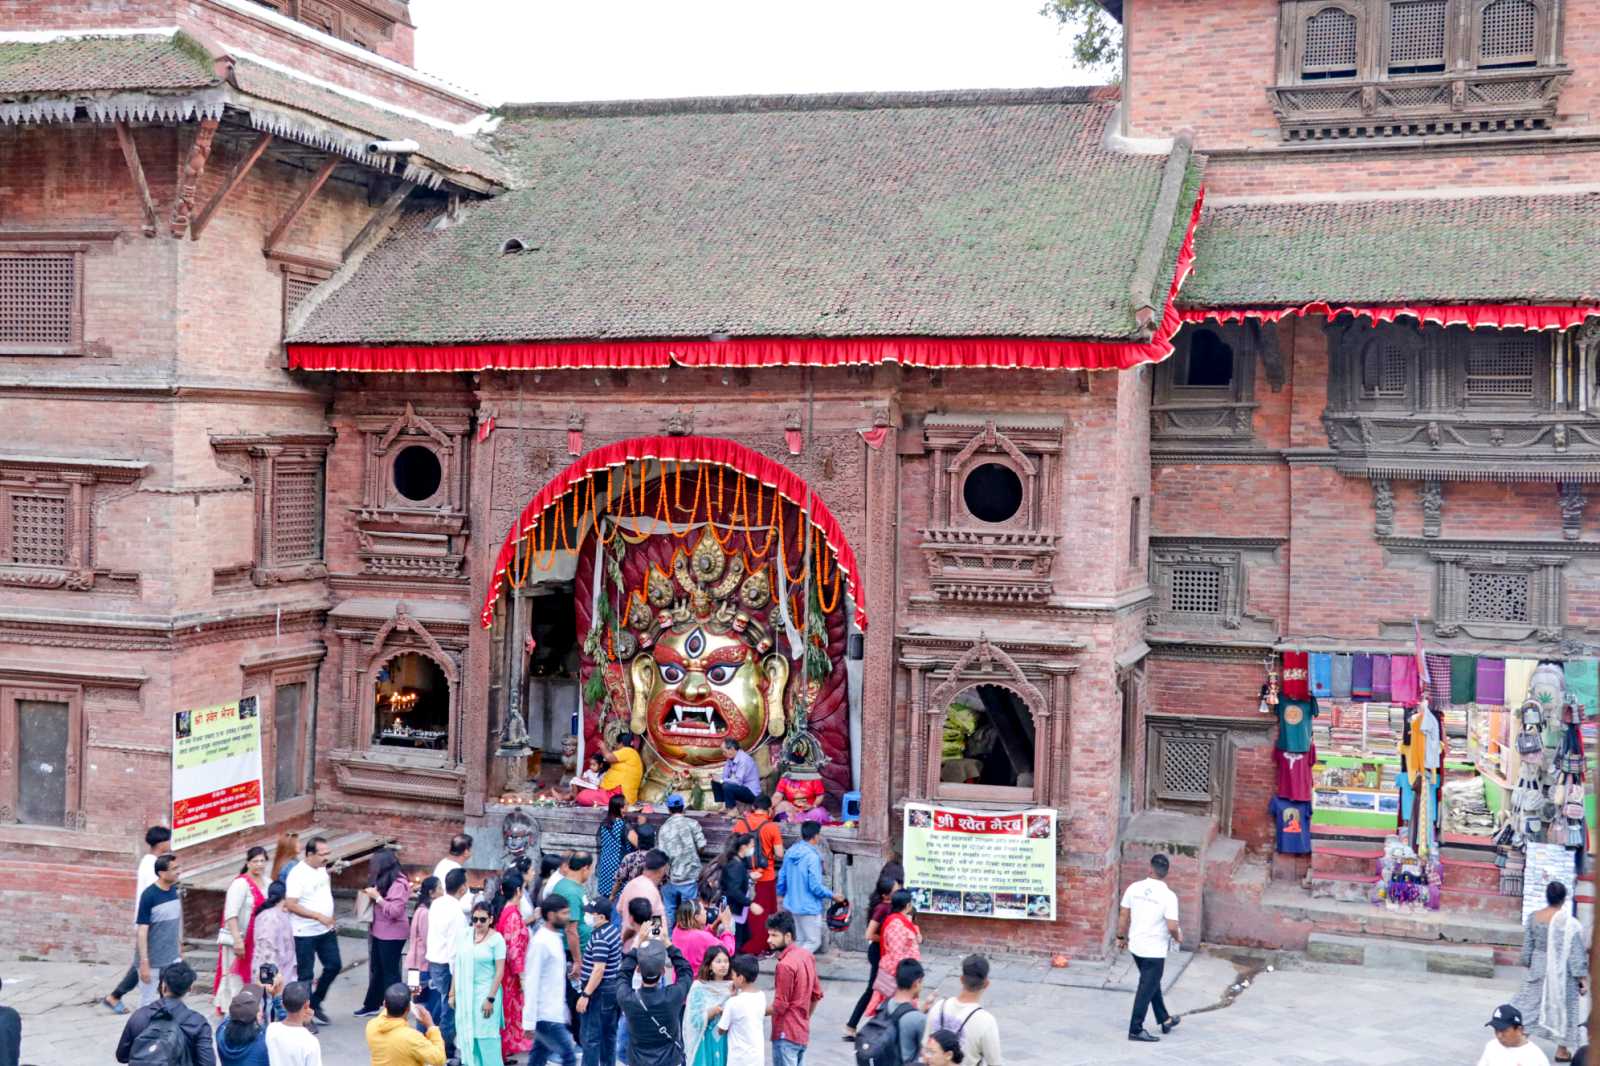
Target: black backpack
(161, 1043)
(761, 859)
(878, 1041)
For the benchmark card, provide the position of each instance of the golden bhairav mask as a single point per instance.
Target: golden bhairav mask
(706, 669)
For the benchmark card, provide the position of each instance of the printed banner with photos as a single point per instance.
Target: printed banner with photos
(216, 772)
(982, 864)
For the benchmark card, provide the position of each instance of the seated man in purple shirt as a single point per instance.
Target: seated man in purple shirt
(740, 782)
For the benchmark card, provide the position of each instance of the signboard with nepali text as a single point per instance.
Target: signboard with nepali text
(216, 772)
(981, 864)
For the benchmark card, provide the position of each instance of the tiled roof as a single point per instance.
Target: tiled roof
(1442, 250)
(450, 151)
(957, 214)
(104, 64)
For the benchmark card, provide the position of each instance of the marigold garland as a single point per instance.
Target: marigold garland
(826, 606)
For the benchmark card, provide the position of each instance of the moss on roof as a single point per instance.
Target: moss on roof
(970, 214)
(98, 64)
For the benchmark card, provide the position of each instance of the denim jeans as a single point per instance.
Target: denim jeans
(600, 1029)
(552, 1039)
(438, 997)
(674, 893)
(788, 1053)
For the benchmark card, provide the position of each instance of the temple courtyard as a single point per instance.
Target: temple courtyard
(1297, 1014)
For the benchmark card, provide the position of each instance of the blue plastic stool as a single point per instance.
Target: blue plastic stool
(850, 808)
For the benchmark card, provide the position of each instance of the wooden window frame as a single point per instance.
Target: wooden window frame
(11, 694)
(76, 252)
(260, 460)
(263, 675)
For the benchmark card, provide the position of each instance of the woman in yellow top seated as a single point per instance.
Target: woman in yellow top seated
(623, 778)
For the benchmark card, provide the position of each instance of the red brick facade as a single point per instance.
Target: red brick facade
(183, 373)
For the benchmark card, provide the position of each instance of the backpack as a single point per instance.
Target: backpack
(762, 860)
(161, 1043)
(878, 1040)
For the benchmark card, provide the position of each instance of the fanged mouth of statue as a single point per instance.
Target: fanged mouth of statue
(697, 721)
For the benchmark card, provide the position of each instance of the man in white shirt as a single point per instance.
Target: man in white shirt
(460, 853)
(742, 1015)
(965, 1015)
(292, 1042)
(445, 922)
(308, 896)
(1510, 1046)
(544, 986)
(157, 841)
(1148, 922)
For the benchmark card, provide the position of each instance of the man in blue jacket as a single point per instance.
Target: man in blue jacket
(802, 889)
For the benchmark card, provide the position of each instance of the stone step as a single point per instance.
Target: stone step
(1402, 955)
(1357, 888)
(1363, 918)
(1462, 868)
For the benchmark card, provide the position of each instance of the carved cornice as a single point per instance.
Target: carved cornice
(55, 672)
(1457, 102)
(118, 471)
(1170, 455)
(1185, 649)
(381, 774)
(1489, 545)
(1559, 446)
(56, 631)
(1203, 543)
(1256, 723)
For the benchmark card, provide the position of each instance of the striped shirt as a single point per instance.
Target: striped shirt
(605, 945)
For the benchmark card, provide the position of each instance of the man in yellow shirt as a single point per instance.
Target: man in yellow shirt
(626, 769)
(394, 1041)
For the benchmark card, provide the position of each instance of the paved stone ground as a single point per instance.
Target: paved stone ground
(1299, 1015)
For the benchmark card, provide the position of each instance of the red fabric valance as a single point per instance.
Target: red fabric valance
(1496, 316)
(929, 352)
(714, 450)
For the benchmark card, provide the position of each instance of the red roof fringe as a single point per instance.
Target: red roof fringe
(715, 450)
(929, 352)
(1497, 316)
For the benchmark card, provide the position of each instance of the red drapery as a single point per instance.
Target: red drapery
(929, 352)
(714, 450)
(1497, 316)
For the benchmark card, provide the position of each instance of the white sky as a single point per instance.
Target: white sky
(526, 50)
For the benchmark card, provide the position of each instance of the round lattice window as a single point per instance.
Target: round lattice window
(992, 492)
(417, 473)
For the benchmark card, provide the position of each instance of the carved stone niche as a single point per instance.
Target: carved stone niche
(370, 634)
(995, 522)
(1037, 672)
(47, 521)
(412, 521)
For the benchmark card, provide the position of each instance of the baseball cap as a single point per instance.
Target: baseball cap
(675, 802)
(246, 1006)
(597, 906)
(652, 961)
(1505, 1016)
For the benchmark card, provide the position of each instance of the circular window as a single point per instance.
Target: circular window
(417, 473)
(992, 492)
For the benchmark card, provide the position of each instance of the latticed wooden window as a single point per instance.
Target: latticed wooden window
(38, 530)
(1330, 45)
(1501, 365)
(1186, 769)
(1416, 36)
(296, 287)
(1394, 371)
(297, 515)
(1196, 590)
(1498, 596)
(38, 301)
(1510, 34)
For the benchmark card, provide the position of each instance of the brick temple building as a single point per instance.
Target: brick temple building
(1051, 416)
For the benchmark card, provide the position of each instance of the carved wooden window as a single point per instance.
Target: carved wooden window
(1205, 393)
(1185, 764)
(1416, 39)
(35, 528)
(293, 712)
(1195, 590)
(41, 748)
(1196, 585)
(1135, 518)
(41, 303)
(1509, 34)
(1501, 365)
(296, 514)
(1495, 596)
(1502, 595)
(1330, 47)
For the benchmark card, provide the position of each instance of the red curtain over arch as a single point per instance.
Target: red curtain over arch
(713, 450)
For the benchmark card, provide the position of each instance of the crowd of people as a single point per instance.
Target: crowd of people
(644, 952)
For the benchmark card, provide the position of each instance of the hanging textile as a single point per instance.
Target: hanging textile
(1438, 680)
(1492, 682)
(1382, 690)
(1321, 675)
(1518, 673)
(1405, 685)
(1296, 676)
(1361, 676)
(1343, 677)
(1463, 679)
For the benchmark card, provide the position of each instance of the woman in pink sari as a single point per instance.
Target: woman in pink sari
(236, 937)
(898, 939)
(514, 1040)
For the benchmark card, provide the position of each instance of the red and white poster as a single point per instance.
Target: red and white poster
(982, 864)
(216, 772)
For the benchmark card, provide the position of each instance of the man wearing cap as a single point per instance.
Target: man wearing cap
(1510, 1046)
(654, 1010)
(682, 840)
(242, 1039)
